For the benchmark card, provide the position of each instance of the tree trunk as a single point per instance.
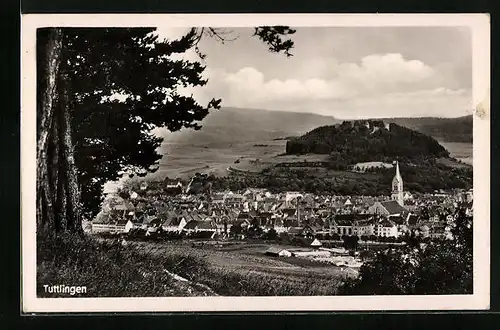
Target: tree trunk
(58, 196)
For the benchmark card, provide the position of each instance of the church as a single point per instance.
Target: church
(394, 207)
(397, 187)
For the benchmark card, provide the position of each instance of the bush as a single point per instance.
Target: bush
(439, 267)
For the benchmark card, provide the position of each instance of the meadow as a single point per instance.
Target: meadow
(156, 269)
(183, 160)
(244, 270)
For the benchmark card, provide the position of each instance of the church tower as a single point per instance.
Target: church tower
(397, 187)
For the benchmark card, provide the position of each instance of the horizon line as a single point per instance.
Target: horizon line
(343, 118)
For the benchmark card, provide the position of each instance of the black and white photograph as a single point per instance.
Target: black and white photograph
(255, 162)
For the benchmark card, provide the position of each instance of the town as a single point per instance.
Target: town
(159, 208)
(312, 161)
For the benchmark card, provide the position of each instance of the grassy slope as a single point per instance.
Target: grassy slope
(249, 274)
(107, 269)
(110, 270)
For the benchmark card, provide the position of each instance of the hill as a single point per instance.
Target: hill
(367, 140)
(426, 166)
(442, 129)
(232, 125)
(228, 125)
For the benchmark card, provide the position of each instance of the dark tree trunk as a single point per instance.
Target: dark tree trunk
(58, 197)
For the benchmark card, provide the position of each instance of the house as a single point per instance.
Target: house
(397, 219)
(316, 244)
(144, 185)
(407, 196)
(352, 224)
(120, 226)
(291, 195)
(309, 242)
(424, 231)
(113, 221)
(364, 227)
(174, 223)
(195, 226)
(278, 252)
(243, 224)
(342, 227)
(174, 189)
(154, 224)
(124, 225)
(234, 199)
(387, 228)
(301, 231)
(143, 222)
(412, 220)
(217, 198)
(469, 211)
(437, 232)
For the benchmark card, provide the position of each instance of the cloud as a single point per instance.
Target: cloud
(378, 85)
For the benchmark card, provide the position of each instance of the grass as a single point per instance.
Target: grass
(109, 269)
(106, 268)
(234, 273)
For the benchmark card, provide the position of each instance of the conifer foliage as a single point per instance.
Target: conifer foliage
(101, 94)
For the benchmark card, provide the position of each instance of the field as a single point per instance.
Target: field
(109, 268)
(263, 275)
(185, 160)
(459, 150)
(182, 160)
(245, 139)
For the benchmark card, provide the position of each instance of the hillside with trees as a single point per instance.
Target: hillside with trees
(351, 142)
(443, 129)
(363, 141)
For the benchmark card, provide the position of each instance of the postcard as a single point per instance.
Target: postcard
(244, 162)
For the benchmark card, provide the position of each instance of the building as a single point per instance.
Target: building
(316, 244)
(387, 228)
(397, 193)
(364, 227)
(197, 225)
(352, 224)
(278, 252)
(174, 224)
(120, 226)
(389, 208)
(174, 189)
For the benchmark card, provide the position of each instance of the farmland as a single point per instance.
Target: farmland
(244, 269)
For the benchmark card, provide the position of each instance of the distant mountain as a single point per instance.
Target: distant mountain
(232, 125)
(367, 140)
(442, 129)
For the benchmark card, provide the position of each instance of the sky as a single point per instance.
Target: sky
(345, 72)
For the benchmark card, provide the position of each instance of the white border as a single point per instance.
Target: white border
(480, 26)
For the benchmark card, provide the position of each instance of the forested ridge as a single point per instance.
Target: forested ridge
(366, 140)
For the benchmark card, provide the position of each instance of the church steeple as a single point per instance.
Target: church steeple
(397, 186)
